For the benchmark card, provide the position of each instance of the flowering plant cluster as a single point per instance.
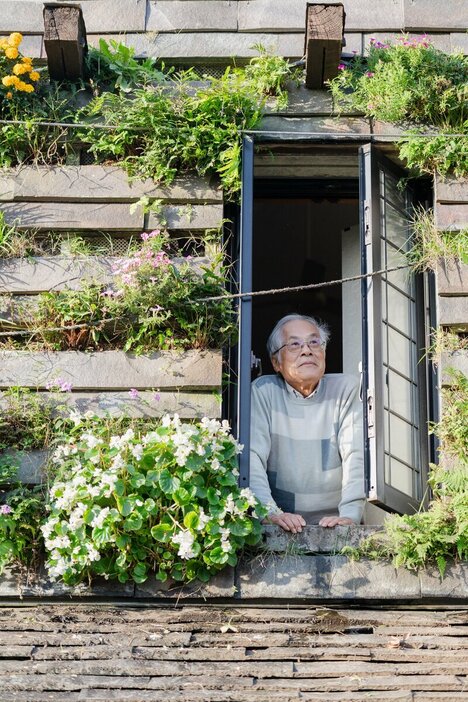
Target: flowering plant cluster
(18, 74)
(21, 517)
(165, 502)
(153, 302)
(413, 84)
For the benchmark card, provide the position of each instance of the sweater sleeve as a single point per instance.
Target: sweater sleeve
(260, 446)
(350, 441)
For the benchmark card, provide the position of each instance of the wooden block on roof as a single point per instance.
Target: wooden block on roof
(323, 43)
(65, 41)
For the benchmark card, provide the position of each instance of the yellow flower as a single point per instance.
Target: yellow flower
(7, 81)
(3, 43)
(11, 52)
(15, 38)
(34, 75)
(26, 59)
(19, 68)
(9, 95)
(28, 88)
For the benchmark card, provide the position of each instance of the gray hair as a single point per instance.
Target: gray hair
(275, 340)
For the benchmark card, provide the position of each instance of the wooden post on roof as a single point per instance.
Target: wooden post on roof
(324, 42)
(65, 41)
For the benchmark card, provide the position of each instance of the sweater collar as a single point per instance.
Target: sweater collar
(295, 393)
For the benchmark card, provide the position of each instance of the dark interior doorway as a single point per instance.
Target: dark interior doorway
(299, 237)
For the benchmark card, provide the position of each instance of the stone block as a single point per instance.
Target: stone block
(34, 275)
(214, 46)
(114, 16)
(67, 216)
(315, 539)
(451, 189)
(192, 15)
(220, 585)
(192, 217)
(453, 586)
(457, 360)
(353, 43)
(459, 42)
(451, 217)
(452, 278)
(30, 464)
(21, 16)
(440, 41)
(325, 578)
(303, 102)
(112, 370)
(41, 586)
(96, 183)
(431, 14)
(330, 126)
(10, 585)
(453, 312)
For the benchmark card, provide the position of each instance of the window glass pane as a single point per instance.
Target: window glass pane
(398, 309)
(399, 351)
(401, 477)
(392, 192)
(393, 258)
(401, 394)
(401, 439)
(395, 228)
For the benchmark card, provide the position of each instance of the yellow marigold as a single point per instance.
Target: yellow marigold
(34, 75)
(3, 43)
(26, 59)
(7, 81)
(19, 68)
(11, 52)
(15, 38)
(28, 88)
(9, 95)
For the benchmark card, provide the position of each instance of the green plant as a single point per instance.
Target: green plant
(452, 429)
(21, 514)
(418, 86)
(427, 537)
(25, 420)
(164, 502)
(431, 245)
(114, 65)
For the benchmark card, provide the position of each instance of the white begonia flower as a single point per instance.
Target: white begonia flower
(49, 527)
(185, 541)
(166, 420)
(137, 451)
(59, 542)
(215, 464)
(76, 417)
(91, 440)
(117, 463)
(100, 517)
(93, 554)
(203, 520)
(248, 495)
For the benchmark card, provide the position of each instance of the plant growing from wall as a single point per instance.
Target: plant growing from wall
(164, 502)
(22, 511)
(413, 84)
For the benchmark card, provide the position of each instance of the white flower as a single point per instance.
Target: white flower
(91, 440)
(185, 540)
(100, 517)
(215, 464)
(248, 495)
(58, 542)
(203, 520)
(137, 451)
(117, 463)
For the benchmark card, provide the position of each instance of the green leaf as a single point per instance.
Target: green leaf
(191, 520)
(182, 496)
(168, 482)
(133, 523)
(122, 541)
(125, 505)
(119, 488)
(241, 527)
(162, 532)
(139, 573)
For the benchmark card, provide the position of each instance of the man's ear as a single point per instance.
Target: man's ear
(275, 364)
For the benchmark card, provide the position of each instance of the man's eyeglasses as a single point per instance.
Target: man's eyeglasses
(293, 347)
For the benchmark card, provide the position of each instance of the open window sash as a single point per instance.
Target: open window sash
(393, 378)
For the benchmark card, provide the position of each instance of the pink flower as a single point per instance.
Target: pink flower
(369, 74)
(133, 393)
(5, 509)
(341, 67)
(64, 386)
(156, 397)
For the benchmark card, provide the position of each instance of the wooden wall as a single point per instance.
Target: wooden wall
(210, 31)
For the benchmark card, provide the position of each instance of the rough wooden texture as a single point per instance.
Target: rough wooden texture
(98, 184)
(34, 275)
(217, 654)
(112, 370)
(451, 217)
(65, 41)
(323, 43)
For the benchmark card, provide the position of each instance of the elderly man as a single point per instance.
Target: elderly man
(306, 460)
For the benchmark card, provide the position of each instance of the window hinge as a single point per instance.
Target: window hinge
(367, 232)
(255, 363)
(370, 415)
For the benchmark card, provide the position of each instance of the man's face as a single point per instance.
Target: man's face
(302, 368)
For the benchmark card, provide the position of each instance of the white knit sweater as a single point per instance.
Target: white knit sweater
(306, 454)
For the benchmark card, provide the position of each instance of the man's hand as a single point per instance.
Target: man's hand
(287, 521)
(335, 521)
